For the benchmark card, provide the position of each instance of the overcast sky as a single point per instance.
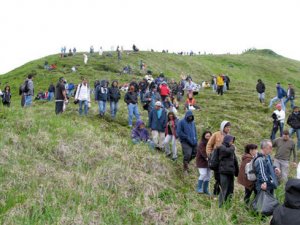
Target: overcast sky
(35, 28)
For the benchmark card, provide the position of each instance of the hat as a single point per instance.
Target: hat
(278, 106)
(158, 103)
(295, 107)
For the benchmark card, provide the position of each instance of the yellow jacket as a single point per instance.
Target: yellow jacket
(220, 81)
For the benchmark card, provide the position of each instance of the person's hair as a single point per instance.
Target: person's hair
(204, 133)
(259, 80)
(7, 86)
(249, 147)
(29, 76)
(286, 132)
(264, 143)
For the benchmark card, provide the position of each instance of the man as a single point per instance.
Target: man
(150, 98)
(265, 172)
(157, 124)
(290, 95)
(83, 96)
(51, 91)
(294, 122)
(101, 95)
(29, 90)
(260, 88)
(215, 141)
(187, 133)
(131, 99)
(284, 148)
(114, 96)
(281, 93)
(60, 96)
(278, 121)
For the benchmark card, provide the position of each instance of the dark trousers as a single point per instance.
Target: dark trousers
(248, 193)
(59, 107)
(226, 183)
(188, 151)
(277, 125)
(217, 183)
(220, 90)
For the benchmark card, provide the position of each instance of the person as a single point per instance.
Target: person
(281, 93)
(6, 96)
(290, 96)
(294, 122)
(101, 95)
(74, 51)
(190, 86)
(131, 99)
(143, 86)
(190, 103)
(228, 168)
(220, 84)
(214, 83)
(30, 91)
(91, 49)
(170, 133)
(284, 148)
(150, 98)
(288, 213)
(278, 121)
(261, 88)
(51, 91)
(140, 134)
(83, 95)
(164, 90)
(187, 134)
(227, 81)
(114, 96)
(202, 164)
(264, 170)
(134, 48)
(100, 51)
(85, 59)
(135, 84)
(173, 88)
(157, 124)
(60, 96)
(215, 141)
(249, 154)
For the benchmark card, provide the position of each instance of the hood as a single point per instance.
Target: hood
(247, 156)
(292, 194)
(228, 139)
(188, 113)
(224, 122)
(115, 81)
(103, 83)
(138, 123)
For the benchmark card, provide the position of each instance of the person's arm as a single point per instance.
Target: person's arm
(65, 95)
(294, 154)
(260, 173)
(150, 119)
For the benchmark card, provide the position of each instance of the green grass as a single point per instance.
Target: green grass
(84, 170)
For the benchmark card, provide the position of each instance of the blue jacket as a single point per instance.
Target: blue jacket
(101, 93)
(155, 123)
(186, 131)
(281, 93)
(265, 172)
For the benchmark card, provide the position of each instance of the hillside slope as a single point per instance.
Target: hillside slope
(84, 170)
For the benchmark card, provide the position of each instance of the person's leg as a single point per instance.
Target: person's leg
(247, 195)
(104, 107)
(116, 109)
(80, 106)
(272, 101)
(217, 183)
(167, 145)
(230, 187)
(187, 153)
(282, 104)
(281, 127)
(154, 134)
(206, 181)
(161, 139)
(263, 97)
(86, 107)
(194, 153)
(202, 172)
(292, 103)
(286, 101)
(130, 114)
(112, 105)
(174, 147)
(221, 90)
(99, 107)
(298, 138)
(136, 111)
(274, 131)
(284, 170)
(224, 183)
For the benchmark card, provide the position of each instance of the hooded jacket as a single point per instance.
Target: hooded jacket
(281, 93)
(186, 131)
(216, 139)
(114, 92)
(158, 124)
(139, 134)
(164, 90)
(260, 87)
(201, 156)
(242, 178)
(289, 212)
(101, 93)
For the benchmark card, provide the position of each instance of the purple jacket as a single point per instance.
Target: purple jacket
(139, 134)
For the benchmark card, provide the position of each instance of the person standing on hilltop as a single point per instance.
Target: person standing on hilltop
(187, 133)
(215, 141)
(220, 84)
(131, 99)
(260, 88)
(60, 96)
(281, 93)
(290, 95)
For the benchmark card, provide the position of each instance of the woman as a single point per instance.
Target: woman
(6, 96)
(250, 153)
(171, 135)
(202, 164)
(190, 103)
(83, 96)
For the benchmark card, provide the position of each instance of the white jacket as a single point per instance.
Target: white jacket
(83, 92)
(280, 115)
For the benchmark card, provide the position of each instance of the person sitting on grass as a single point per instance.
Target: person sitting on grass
(140, 134)
(190, 103)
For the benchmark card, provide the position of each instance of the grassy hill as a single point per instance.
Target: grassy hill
(69, 169)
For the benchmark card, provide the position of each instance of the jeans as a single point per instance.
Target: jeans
(276, 99)
(102, 107)
(133, 110)
(291, 100)
(50, 96)
(28, 100)
(113, 109)
(204, 174)
(86, 106)
(166, 144)
(275, 129)
(297, 131)
(261, 97)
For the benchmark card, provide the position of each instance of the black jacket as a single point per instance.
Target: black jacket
(51, 88)
(131, 97)
(228, 163)
(289, 212)
(294, 120)
(114, 94)
(292, 93)
(260, 87)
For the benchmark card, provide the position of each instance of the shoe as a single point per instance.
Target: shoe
(174, 159)
(168, 155)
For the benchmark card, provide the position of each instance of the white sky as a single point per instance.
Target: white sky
(31, 29)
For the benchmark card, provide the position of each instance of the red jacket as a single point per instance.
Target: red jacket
(164, 90)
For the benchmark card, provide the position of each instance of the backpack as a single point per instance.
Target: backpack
(24, 88)
(213, 160)
(250, 170)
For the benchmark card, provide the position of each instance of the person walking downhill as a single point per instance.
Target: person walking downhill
(220, 84)
(261, 88)
(101, 95)
(83, 96)
(228, 168)
(157, 124)
(187, 133)
(281, 93)
(215, 141)
(60, 96)
(170, 133)
(6, 96)
(150, 98)
(278, 121)
(131, 99)
(290, 95)
(249, 154)
(202, 164)
(114, 96)
(294, 122)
